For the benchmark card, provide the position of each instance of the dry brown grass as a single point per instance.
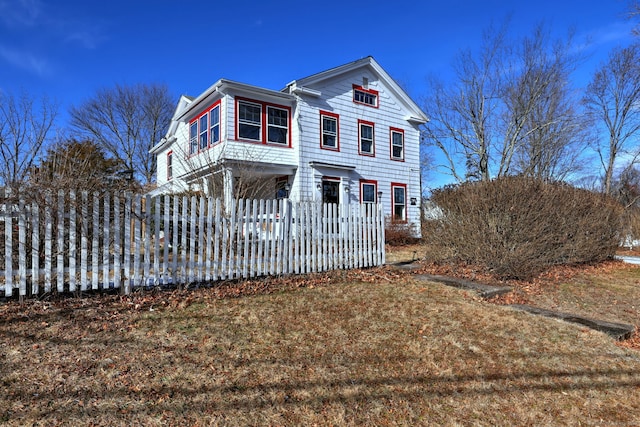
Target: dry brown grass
(369, 348)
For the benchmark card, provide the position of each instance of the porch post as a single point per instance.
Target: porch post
(228, 187)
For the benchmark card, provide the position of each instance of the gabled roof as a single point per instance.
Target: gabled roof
(303, 86)
(183, 103)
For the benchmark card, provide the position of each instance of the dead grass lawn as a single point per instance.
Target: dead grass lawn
(370, 348)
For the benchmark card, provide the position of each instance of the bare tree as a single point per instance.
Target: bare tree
(127, 121)
(552, 137)
(612, 100)
(25, 129)
(510, 98)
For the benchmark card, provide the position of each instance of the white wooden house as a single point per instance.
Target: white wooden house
(345, 135)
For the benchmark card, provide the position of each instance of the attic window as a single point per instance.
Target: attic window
(365, 96)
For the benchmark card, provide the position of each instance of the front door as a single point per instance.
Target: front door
(330, 191)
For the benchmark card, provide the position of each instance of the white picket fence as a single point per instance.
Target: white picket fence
(79, 242)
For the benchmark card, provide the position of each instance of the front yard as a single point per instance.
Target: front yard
(371, 347)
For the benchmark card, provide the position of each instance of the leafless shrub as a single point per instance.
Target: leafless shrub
(399, 233)
(517, 227)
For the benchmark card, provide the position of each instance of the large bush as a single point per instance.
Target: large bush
(517, 227)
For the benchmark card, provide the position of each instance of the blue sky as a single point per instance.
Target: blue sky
(69, 49)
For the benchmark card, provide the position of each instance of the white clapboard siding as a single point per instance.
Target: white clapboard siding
(97, 242)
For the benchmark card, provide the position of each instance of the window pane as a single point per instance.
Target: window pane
(366, 132)
(329, 124)
(215, 116)
(366, 146)
(249, 132)
(277, 117)
(398, 195)
(215, 134)
(278, 135)
(328, 140)
(368, 193)
(249, 113)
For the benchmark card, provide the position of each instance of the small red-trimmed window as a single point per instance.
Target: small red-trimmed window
(365, 96)
(214, 119)
(193, 138)
(249, 121)
(399, 201)
(329, 131)
(169, 165)
(277, 125)
(204, 131)
(397, 144)
(368, 191)
(366, 137)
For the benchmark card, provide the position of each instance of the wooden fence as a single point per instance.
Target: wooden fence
(78, 242)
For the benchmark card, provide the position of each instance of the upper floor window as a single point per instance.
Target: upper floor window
(193, 138)
(169, 165)
(366, 138)
(262, 122)
(204, 131)
(329, 131)
(214, 118)
(249, 120)
(399, 201)
(278, 125)
(397, 144)
(368, 191)
(365, 96)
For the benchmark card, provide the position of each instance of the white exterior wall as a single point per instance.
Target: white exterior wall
(337, 97)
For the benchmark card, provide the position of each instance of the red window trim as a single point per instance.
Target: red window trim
(170, 162)
(393, 204)
(263, 124)
(337, 117)
(197, 120)
(369, 91)
(373, 142)
(372, 182)
(400, 131)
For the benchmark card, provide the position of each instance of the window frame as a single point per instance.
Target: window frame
(240, 122)
(400, 132)
(394, 186)
(373, 138)
(370, 182)
(203, 132)
(198, 147)
(331, 116)
(264, 122)
(213, 126)
(193, 138)
(269, 125)
(169, 165)
(365, 92)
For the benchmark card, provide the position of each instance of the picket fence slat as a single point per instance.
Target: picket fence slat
(102, 241)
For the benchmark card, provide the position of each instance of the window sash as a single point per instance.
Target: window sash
(368, 192)
(169, 165)
(367, 98)
(249, 121)
(399, 203)
(204, 131)
(193, 138)
(329, 131)
(277, 125)
(215, 124)
(397, 145)
(366, 138)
